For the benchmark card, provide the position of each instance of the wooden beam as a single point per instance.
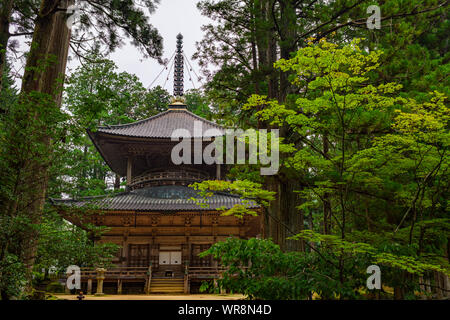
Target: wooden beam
(89, 286)
(218, 173)
(119, 286)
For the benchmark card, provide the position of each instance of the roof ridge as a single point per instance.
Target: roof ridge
(133, 123)
(128, 125)
(102, 196)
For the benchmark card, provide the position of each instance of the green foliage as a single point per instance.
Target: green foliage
(101, 23)
(12, 277)
(62, 244)
(8, 91)
(337, 246)
(247, 190)
(55, 287)
(21, 180)
(260, 270)
(156, 100)
(377, 158)
(197, 103)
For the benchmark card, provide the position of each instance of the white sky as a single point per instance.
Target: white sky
(170, 18)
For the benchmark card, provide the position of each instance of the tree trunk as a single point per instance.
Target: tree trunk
(44, 72)
(290, 215)
(5, 17)
(288, 35)
(399, 293)
(273, 219)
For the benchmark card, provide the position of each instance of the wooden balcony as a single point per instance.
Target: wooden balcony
(125, 273)
(145, 275)
(130, 273)
(167, 177)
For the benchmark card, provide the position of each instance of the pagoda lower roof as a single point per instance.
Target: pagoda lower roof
(161, 198)
(163, 125)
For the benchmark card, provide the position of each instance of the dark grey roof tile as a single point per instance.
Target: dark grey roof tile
(163, 125)
(170, 198)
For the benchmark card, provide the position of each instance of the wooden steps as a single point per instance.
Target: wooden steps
(167, 285)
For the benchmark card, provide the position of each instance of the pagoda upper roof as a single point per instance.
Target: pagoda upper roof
(164, 124)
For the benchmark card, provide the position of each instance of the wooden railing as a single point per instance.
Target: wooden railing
(205, 272)
(169, 175)
(142, 272)
(116, 273)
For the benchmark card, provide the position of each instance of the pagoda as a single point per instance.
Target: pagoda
(159, 228)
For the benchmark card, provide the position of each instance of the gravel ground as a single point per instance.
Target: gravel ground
(157, 297)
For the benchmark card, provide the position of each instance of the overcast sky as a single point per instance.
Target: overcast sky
(171, 17)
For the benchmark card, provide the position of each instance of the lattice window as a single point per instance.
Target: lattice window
(196, 261)
(154, 255)
(138, 255)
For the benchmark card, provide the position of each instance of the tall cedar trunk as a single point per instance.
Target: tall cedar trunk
(5, 17)
(288, 35)
(261, 16)
(273, 219)
(289, 198)
(270, 34)
(254, 49)
(260, 38)
(283, 219)
(32, 196)
(291, 216)
(50, 43)
(84, 172)
(273, 90)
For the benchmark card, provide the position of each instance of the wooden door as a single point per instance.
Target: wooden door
(164, 258)
(169, 257)
(175, 257)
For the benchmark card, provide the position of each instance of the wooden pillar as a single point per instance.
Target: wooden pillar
(125, 248)
(222, 290)
(218, 173)
(148, 280)
(129, 170)
(89, 286)
(186, 279)
(119, 286)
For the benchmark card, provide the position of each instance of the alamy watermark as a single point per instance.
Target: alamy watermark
(190, 149)
(73, 277)
(374, 280)
(374, 21)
